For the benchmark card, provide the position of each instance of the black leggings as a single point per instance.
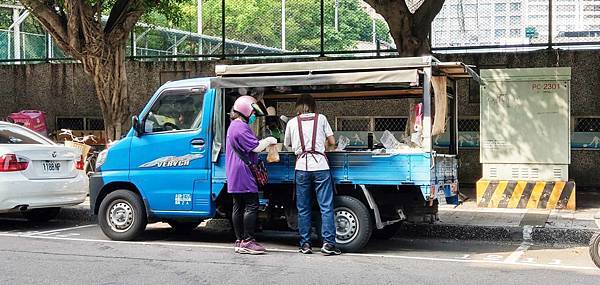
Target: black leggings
(245, 210)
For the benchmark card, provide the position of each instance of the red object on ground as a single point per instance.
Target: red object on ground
(32, 119)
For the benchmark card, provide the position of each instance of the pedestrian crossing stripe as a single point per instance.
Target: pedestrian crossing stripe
(526, 194)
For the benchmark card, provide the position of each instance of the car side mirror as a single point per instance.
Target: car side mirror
(137, 126)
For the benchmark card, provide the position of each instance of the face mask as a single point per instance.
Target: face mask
(252, 119)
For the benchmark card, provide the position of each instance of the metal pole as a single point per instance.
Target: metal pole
(222, 29)
(454, 122)
(322, 51)
(199, 16)
(48, 46)
(374, 32)
(133, 43)
(336, 15)
(283, 24)
(550, 24)
(427, 109)
(16, 35)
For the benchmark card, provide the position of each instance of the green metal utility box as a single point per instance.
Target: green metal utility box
(525, 134)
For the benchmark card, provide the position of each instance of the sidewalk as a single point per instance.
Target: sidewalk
(466, 221)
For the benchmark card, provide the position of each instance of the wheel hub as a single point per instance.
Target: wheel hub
(346, 225)
(120, 216)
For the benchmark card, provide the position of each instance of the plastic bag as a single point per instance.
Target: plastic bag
(389, 141)
(273, 155)
(343, 142)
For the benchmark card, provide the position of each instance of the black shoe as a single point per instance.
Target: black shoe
(306, 249)
(330, 249)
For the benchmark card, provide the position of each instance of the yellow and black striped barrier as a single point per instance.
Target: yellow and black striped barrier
(526, 194)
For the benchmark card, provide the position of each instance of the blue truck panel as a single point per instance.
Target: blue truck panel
(191, 189)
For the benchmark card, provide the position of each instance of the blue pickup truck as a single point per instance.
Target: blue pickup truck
(170, 167)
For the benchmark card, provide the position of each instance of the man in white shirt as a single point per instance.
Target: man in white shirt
(307, 135)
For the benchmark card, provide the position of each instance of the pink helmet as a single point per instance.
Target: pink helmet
(245, 105)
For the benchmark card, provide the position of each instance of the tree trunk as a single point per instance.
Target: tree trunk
(409, 40)
(110, 80)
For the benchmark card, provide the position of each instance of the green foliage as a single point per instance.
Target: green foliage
(259, 22)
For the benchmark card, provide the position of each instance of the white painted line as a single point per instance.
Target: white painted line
(518, 253)
(59, 230)
(453, 260)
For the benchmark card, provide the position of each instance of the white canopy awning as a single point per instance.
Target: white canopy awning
(408, 77)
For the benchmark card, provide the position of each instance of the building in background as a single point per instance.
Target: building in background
(512, 22)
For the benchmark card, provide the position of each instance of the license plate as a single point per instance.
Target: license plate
(51, 167)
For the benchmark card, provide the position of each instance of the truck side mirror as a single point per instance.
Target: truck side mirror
(137, 126)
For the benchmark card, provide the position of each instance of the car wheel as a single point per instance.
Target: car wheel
(183, 227)
(595, 249)
(41, 215)
(122, 215)
(387, 232)
(352, 222)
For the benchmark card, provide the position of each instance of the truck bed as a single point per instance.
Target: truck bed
(415, 168)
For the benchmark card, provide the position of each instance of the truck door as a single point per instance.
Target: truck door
(172, 156)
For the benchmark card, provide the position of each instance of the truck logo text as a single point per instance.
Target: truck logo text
(172, 161)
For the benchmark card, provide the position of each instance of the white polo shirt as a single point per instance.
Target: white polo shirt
(292, 138)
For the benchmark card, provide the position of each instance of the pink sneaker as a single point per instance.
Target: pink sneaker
(251, 247)
(236, 246)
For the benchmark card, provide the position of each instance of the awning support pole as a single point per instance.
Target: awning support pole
(427, 109)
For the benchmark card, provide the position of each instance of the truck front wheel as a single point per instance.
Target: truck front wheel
(122, 215)
(353, 223)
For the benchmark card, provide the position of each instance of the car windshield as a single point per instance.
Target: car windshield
(14, 135)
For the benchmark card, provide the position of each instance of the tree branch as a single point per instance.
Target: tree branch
(123, 17)
(383, 7)
(54, 23)
(427, 12)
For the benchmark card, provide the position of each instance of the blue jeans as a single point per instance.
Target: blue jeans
(321, 183)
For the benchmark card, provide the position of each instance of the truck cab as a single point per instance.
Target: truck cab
(170, 167)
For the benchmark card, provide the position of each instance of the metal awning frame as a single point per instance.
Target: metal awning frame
(356, 72)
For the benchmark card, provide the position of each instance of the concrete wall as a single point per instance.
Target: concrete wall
(65, 90)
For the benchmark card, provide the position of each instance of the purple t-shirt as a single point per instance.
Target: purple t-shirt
(239, 176)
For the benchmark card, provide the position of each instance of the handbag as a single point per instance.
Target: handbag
(259, 171)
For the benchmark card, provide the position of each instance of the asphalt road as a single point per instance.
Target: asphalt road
(62, 252)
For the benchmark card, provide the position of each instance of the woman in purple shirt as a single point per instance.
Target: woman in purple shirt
(241, 184)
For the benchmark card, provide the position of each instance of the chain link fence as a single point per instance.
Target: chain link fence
(500, 23)
(250, 28)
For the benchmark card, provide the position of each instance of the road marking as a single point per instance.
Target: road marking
(555, 262)
(405, 257)
(518, 253)
(58, 230)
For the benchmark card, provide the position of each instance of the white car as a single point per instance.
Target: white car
(38, 176)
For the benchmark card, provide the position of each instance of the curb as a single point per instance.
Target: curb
(83, 213)
(496, 233)
(80, 213)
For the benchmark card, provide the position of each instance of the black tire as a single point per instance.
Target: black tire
(387, 232)
(41, 215)
(357, 222)
(122, 215)
(183, 227)
(595, 249)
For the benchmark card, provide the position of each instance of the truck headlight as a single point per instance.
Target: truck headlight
(101, 158)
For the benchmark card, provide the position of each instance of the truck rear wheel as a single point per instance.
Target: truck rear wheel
(122, 215)
(352, 223)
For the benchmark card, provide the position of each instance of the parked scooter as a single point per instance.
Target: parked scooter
(595, 243)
